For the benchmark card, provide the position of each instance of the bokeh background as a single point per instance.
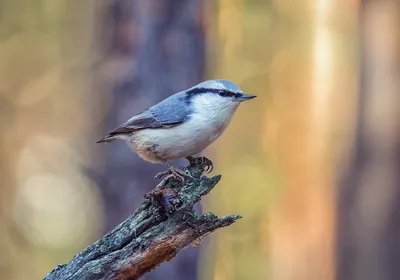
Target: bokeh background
(311, 164)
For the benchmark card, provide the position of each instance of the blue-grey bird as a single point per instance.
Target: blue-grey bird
(182, 125)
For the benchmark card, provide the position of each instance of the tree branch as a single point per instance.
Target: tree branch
(164, 224)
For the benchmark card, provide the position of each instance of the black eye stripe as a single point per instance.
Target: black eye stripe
(221, 92)
(228, 93)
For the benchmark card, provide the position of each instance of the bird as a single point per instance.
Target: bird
(182, 125)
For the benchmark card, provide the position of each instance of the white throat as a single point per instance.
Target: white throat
(215, 109)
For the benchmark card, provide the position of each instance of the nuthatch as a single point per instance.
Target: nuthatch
(181, 125)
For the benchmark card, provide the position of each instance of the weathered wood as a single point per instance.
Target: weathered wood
(164, 224)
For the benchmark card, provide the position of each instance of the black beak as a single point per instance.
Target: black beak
(244, 97)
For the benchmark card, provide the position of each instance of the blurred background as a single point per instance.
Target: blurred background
(311, 163)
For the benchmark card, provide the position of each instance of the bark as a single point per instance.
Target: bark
(164, 224)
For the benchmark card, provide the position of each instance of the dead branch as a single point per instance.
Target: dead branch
(164, 224)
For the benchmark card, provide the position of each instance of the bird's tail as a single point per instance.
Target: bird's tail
(113, 136)
(108, 138)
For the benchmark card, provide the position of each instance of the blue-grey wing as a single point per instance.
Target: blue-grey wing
(174, 109)
(170, 112)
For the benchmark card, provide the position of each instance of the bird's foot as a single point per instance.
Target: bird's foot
(171, 173)
(159, 176)
(204, 162)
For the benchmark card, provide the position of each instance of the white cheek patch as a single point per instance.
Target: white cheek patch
(212, 111)
(212, 103)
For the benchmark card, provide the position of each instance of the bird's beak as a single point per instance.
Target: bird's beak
(245, 97)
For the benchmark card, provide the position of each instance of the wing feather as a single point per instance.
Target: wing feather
(170, 112)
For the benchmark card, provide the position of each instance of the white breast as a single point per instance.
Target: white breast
(209, 119)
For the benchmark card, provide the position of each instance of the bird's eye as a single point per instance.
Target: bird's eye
(224, 93)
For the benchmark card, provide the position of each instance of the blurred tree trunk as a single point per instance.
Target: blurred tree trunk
(369, 199)
(151, 49)
(300, 64)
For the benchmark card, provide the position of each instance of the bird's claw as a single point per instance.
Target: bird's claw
(207, 164)
(159, 176)
(204, 162)
(171, 173)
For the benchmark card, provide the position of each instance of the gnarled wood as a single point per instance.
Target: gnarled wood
(164, 224)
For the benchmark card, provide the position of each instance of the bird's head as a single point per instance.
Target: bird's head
(220, 91)
(217, 97)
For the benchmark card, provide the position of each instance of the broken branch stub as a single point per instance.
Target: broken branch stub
(164, 224)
